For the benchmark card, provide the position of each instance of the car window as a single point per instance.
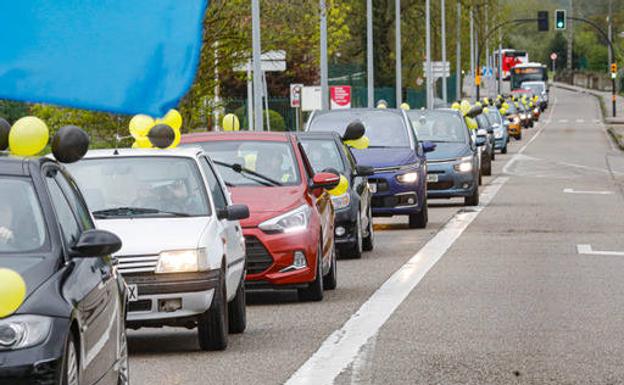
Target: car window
(70, 228)
(218, 196)
(153, 186)
(323, 154)
(70, 189)
(438, 126)
(22, 227)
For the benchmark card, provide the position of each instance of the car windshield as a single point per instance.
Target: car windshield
(323, 154)
(142, 186)
(495, 117)
(254, 163)
(438, 127)
(383, 128)
(537, 88)
(483, 121)
(22, 228)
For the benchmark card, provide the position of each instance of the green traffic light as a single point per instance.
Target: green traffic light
(560, 24)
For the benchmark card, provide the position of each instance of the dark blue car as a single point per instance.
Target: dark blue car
(453, 168)
(399, 181)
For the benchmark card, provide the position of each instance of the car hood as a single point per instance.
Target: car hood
(267, 202)
(149, 236)
(385, 157)
(34, 270)
(449, 150)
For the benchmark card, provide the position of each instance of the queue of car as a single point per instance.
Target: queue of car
(130, 238)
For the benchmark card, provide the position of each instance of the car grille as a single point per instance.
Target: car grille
(142, 305)
(137, 264)
(382, 184)
(258, 257)
(440, 185)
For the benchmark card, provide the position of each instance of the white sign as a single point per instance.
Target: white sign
(271, 61)
(295, 95)
(311, 98)
(438, 69)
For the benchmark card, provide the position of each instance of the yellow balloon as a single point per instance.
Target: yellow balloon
(28, 136)
(140, 125)
(358, 144)
(465, 106)
(472, 124)
(142, 142)
(12, 292)
(381, 106)
(405, 106)
(173, 119)
(455, 106)
(231, 123)
(342, 187)
(176, 138)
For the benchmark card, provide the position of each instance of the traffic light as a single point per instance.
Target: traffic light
(613, 68)
(542, 21)
(560, 19)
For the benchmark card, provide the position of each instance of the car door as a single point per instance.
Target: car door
(360, 186)
(91, 285)
(232, 232)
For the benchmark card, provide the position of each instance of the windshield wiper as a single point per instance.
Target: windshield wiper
(242, 170)
(130, 211)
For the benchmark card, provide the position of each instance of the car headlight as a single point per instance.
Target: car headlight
(516, 120)
(464, 165)
(523, 116)
(23, 331)
(341, 201)
(182, 261)
(498, 134)
(410, 177)
(292, 221)
(536, 110)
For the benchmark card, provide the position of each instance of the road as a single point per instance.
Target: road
(514, 291)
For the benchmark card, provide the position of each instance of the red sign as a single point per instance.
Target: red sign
(553, 56)
(340, 97)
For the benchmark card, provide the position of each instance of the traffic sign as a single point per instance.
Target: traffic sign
(271, 61)
(438, 69)
(340, 97)
(295, 95)
(311, 98)
(553, 56)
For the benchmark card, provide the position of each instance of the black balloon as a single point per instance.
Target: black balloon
(161, 136)
(355, 130)
(5, 127)
(70, 144)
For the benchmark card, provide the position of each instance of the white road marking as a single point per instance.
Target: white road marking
(580, 120)
(589, 167)
(572, 191)
(563, 120)
(587, 250)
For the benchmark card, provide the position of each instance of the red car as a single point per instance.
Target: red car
(290, 232)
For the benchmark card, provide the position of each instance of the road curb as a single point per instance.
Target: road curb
(617, 137)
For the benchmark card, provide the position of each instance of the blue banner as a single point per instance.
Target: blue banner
(123, 56)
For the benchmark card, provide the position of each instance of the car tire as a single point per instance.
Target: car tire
(480, 178)
(419, 220)
(368, 243)
(70, 369)
(473, 199)
(493, 153)
(330, 281)
(124, 365)
(487, 169)
(212, 326)
(519, 136)
(237, 310)
(504, 149)
(314, 291)
(355, 251)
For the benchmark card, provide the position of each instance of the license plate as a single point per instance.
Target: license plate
(432, 178)
(133, 293)
(372, 187)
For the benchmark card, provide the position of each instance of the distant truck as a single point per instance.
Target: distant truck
(510, 59)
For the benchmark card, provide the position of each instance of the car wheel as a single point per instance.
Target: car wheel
(124, 366)
(355, 251)
(368, 243)
(419, 221)
(487, 167)
(519, 136)
(480, 178)
(212, 326)
(70, 369)
(314, 291)
(330, 281)
(473, 199)
(504, 150)
(493, 153)
(237, 310)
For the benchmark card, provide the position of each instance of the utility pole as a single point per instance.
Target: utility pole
(398, 48)
(429, 74)
(458, 74)
(472, 49)
(477, 59)
(369, 54)
(257, 64)
(570, 37)
(487, 45)
(610, 28)
(443, 17)
(324, 63)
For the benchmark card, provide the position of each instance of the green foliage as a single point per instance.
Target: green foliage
(277, 121)
(12, 111)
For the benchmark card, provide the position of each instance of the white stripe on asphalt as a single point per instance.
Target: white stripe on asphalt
(573, 191)
(343, 346)
(580, 120)
(563, 120)
(587, 250)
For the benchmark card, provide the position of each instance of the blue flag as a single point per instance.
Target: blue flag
(123, 56)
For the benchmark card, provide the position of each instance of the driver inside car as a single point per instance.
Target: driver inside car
(7, 235)
(269, 163)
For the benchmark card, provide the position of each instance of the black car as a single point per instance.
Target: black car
(354, 216)
(68, 326)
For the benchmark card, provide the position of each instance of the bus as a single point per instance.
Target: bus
(511, 58)
(528, 72)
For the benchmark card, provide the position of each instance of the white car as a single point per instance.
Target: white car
(183, 254)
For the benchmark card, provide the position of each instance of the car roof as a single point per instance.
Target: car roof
(20, 166)
(238, 135)
(189, 152)
(329, 135)
(531, 64)
(356, 110)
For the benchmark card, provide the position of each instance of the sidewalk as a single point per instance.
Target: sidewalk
(615, 126)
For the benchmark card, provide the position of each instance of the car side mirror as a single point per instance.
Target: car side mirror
(325, 180)
(361, 170)
(428, 146)
(234, 213)
(96, 243)
(490, 130)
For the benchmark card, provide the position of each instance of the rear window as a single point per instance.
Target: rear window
(22, 227)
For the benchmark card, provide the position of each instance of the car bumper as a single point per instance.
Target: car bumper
(270, 258)
(39, 364)
(499, 144)
(158, 293)
(347, 220)
(450, 182)
(394, 198)
(514, 129)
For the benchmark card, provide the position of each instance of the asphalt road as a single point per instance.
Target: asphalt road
(498, 295)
